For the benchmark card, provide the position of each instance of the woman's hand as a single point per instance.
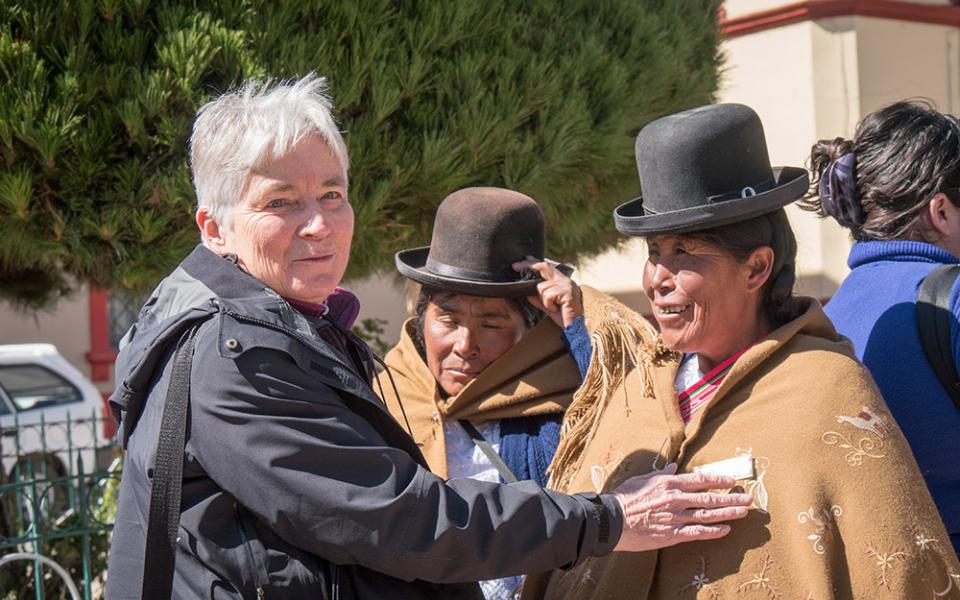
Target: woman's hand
(559, 296)
(663, 509)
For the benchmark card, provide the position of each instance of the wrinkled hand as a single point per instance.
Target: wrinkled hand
(559, 296)
(663, 509)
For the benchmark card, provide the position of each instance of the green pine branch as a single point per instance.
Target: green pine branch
(98, 97)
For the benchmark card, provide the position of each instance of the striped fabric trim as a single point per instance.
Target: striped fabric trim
(698, 394)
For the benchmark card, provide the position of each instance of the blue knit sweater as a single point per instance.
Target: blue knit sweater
(527, 444)
(876, 308)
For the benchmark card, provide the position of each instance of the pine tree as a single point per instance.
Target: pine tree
(542, 96)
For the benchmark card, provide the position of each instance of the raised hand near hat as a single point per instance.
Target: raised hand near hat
(662, 509)
(559, 296)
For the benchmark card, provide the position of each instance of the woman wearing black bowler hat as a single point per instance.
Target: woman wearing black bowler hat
(896, 187)
(750, 381)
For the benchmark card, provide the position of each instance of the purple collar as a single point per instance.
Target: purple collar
(342, 307)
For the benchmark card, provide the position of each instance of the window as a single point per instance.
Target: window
(33, 386)
(4, 403)
(123, 309)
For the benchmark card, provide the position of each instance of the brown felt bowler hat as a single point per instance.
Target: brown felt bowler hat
(478, 234)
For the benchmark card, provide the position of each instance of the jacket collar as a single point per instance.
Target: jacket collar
(900, 251)
(203, 285)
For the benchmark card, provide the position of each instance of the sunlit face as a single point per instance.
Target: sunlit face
(293, 225)
(701, 297)
(462, 335)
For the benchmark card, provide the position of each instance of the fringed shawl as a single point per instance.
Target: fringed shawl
(537, 376)
(621, 340)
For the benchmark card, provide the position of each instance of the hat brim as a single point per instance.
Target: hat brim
(412, 264)
(792, 184)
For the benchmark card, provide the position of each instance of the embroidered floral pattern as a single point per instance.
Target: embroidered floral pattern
(702, 582)
(599, 473)
(820, 519)
(761, 581)
(926, 551)
(859, 446)
(757, 487)
(923, 542)
(886, 561)
(953, 582)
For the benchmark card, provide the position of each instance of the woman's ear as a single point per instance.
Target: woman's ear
(211, 232)
(943, 217)
(758, 267)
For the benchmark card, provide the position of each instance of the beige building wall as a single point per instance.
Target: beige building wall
(67, 327)
(382, 296)
(796, 78)
(808, 81)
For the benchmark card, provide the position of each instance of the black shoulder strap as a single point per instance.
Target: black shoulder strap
(935, 322)
(488, 450)
(160, 552)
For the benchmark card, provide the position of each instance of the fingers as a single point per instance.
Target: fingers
(670, 469)
(535, 302)
(708, 500)
(696, 516)
(719, 515)
(650, 536)
(532, 263)
(691, 533)
(545, 270)
(551, 296)
(695, 482)
(557, 294)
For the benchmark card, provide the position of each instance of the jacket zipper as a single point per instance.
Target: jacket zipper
(294, 334)
(251, 559)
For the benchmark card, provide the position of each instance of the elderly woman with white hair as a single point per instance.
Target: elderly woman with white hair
(259, 461)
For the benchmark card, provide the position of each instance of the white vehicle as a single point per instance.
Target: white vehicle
(50, 414)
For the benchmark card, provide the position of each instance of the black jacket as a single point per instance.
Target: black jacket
(295, 474)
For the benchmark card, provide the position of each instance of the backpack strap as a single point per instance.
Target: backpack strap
(167, 481)
(935, 322)
(487, 448)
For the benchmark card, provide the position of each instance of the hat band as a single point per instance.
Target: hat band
(444, 270)
(744, 192)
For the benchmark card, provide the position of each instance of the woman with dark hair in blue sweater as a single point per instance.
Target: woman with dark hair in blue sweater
(896, 187)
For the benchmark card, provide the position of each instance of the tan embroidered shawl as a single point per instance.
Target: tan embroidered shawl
(840, 509)
(536, 376)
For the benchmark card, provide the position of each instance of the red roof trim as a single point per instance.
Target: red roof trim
(811, 10)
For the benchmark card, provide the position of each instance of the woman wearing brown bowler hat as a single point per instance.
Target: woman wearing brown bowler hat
(498, 345)
(747, 380)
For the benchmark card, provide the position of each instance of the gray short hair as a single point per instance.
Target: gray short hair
(243, 129)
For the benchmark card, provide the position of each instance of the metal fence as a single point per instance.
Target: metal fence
(58, 489)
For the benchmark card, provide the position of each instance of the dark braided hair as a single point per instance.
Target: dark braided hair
(531, 314)
(905, 154)
(741, 239)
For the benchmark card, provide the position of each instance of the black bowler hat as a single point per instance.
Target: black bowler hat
(478, 234)
(704, 168)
